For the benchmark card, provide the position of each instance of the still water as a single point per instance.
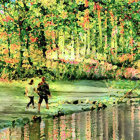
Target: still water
(114, 123)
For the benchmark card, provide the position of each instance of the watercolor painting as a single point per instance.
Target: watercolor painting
(69, 70)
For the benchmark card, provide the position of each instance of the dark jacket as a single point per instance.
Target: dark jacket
(43, 89)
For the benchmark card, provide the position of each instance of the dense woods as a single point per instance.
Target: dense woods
(69, 39)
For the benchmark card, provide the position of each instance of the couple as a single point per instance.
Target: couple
(42, 90)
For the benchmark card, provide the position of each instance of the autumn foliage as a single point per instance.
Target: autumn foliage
(70, 40)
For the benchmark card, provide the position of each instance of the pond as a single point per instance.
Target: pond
(118, 122)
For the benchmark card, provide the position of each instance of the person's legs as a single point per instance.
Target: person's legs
(39, 103)
(29, 102)
(46, 100)
(47, 107)
(32, 100)
(39, 107)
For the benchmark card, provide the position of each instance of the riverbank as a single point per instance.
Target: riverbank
(67, 97)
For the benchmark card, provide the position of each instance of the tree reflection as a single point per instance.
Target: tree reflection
(116, 123)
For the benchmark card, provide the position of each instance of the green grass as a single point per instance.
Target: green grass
(123, 84)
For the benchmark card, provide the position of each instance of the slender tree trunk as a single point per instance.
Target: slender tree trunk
(112, 34)
(105, 48)
(77, 46)
(8, 40)
(85, 44)
(131, 40)
(28, 49)
(61, 44)
(88, 41)
(122, 35)
(115, 38)
(73, 46)
(93, 52)
(100, 29)
(7, 31)
(21, 48)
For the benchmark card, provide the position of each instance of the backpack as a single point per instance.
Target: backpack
(43, 89)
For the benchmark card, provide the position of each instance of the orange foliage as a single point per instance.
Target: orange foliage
(86, 3)
(33, 39)
(94, 7)
(125, 57)
(131, 72)
(8, 18)
(110, 12)
(11, 61)
(98, 7)
(3, 34)
(118, 73)
(131, 41)
(5, 51)
(131, 1)
(49, 23)
(122, 28)
(14, 46)
(86, 19)
(86, 16)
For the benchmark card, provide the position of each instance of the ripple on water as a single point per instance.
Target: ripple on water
(117, 122)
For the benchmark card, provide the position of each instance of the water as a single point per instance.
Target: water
(114, 123)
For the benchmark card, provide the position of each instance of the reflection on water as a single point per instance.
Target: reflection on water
(114, 123)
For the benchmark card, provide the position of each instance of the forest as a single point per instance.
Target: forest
(69, 39)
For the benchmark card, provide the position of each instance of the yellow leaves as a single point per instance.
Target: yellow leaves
(47, 3)
(37, 11)
(80, 1)
(137, 64)
(25, 61)
(114, 67)
(21, 3)
(102, 63)
(5, 51)
(25, 54)
(101, 56)
(64, 14)
(26, 66)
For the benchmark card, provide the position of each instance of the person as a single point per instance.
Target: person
(29, 92)
(43, 92)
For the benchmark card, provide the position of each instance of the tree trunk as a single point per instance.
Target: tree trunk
(73, 46)
(100, 30)
(93, 52)
(105, 48)
(61, 42)
(115, 38)
(85, 44)
(113, 29)
(28, 49)
(131, 40)
(77, 46)
(122, 35)
(88, 41)
(21, 48)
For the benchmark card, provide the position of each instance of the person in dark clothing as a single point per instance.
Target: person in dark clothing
(43, 92)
